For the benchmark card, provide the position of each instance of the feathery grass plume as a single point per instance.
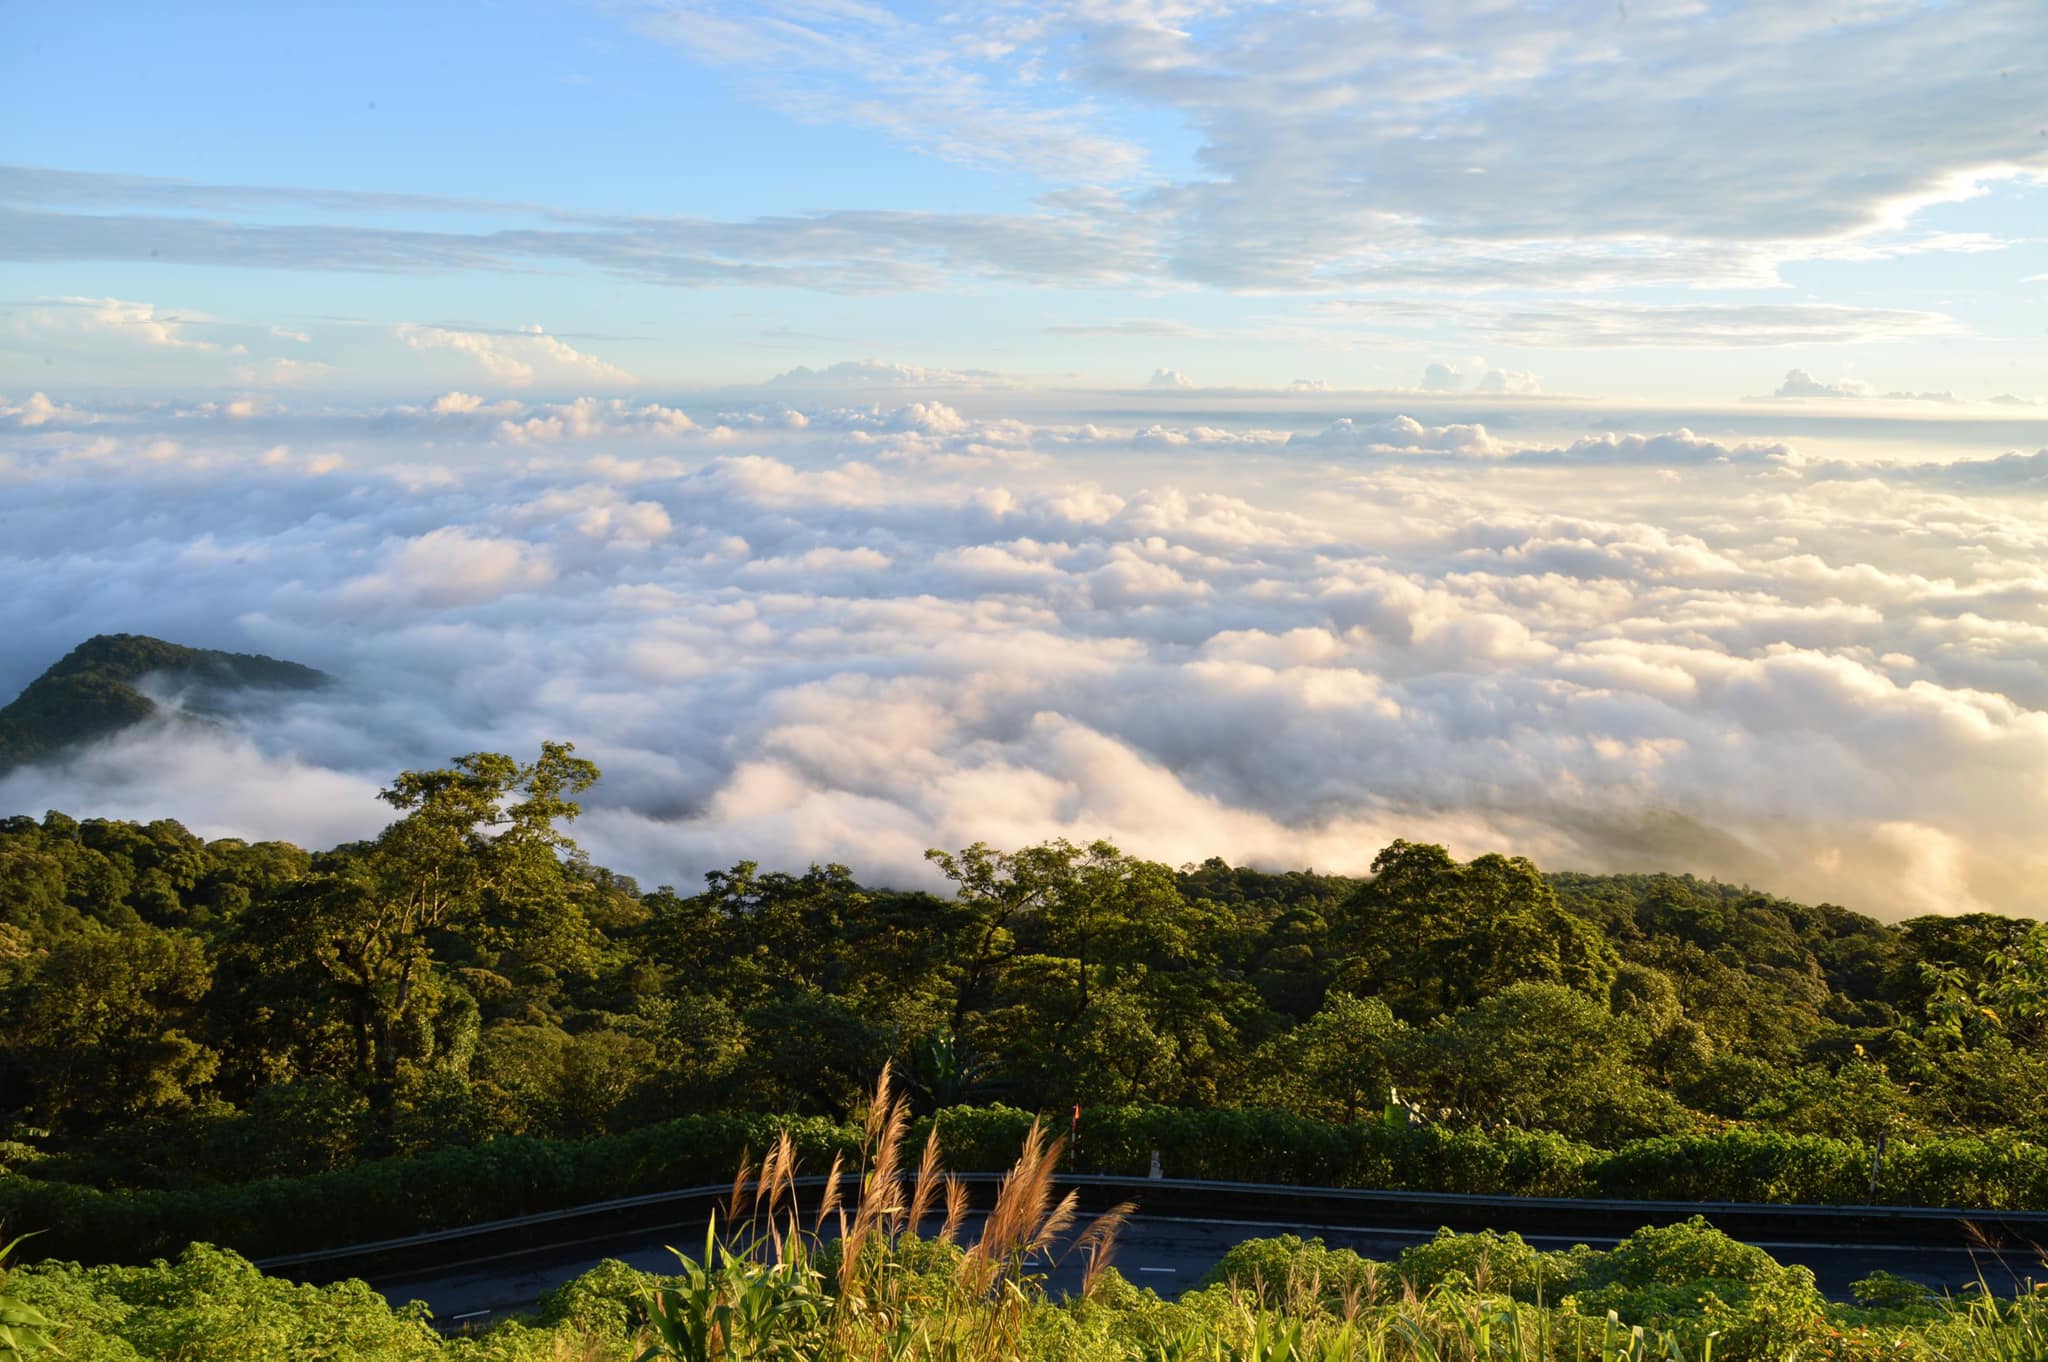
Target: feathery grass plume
(887, 1123)
(777, 1177)
(1022, 1210)
(1023, 1197)
(878, 1110)
(829, 1202)
(736, 1207)
(1056, 1223)
(1097, 1243)
(885, 1178)
(852, 1244)
(927, 1186)
(956, 1209)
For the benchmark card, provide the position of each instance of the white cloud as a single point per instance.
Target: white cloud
(449, 567)
(515, 358)
(38, 410)
(1633, 649)
(1169, 378)
(588, 418)
(872, 373)
(1509, 382)
(1676, 449)
(119, 320)
(1403, 434)
(1441, 378)
(1800, 383)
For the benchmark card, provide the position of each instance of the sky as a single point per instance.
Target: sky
(1679, 199)
(1609, 432)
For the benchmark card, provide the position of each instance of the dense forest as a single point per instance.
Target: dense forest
(179, 1013)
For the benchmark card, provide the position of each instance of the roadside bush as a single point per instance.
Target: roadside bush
(210, 1303)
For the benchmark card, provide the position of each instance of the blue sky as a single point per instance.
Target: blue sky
(1656, 202)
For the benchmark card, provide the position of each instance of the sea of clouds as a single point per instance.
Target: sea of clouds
(851, 630)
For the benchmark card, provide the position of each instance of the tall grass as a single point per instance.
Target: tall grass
(862, 1282)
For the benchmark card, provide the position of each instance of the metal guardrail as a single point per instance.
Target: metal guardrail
(1265, 1205)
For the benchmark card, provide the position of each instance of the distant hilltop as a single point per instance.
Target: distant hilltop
(91, 692)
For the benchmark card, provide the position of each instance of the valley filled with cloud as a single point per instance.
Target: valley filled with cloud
(796, 627)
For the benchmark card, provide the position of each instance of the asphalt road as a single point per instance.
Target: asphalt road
(1168, 1254)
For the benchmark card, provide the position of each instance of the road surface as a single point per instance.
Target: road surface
(1167, 1253)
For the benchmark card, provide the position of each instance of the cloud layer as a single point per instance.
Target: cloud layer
(851, 632)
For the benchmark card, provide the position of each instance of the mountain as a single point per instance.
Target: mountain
(91, 692)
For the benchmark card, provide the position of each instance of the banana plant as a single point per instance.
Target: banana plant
(25, 1331)
(726, 1307)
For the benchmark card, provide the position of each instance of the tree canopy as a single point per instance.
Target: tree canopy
(176, 1012)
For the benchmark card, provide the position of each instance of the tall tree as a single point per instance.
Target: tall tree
(478, 840)
(1431, 935)
(107, 1025)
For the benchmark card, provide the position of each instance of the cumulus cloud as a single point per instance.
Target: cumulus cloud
(1169, 378)
(1476, 377)
(449, 567)
(1672, 450)
(1441, 378)
(38, 410)
(587, 418)
(1800, 383)
(873, 373)
(119, 321)
(514, 358)
(1826, 678)
(1509, 382)
(1403, 434)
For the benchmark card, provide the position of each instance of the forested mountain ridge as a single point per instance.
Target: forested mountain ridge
(177, 1012)
(91, 691)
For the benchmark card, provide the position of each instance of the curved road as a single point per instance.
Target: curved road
(470, 1276)
(1168, 1254)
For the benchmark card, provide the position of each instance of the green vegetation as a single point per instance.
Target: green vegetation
(516, 1175)
(255, 1045)
(91, 692)
(888, 1277)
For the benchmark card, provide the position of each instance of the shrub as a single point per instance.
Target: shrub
(520, 1175)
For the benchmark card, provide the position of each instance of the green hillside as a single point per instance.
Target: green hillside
(91, 692)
